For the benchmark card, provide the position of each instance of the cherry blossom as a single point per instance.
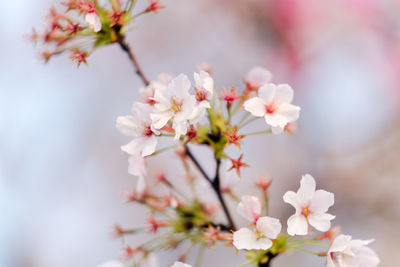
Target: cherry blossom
(174, 104)
(267, 228)
(274, 104)
(180, 264)
(138, 125)
(204, 88)
(161, 84)
(257, 77)
(346, 251)
(249, 208)
(311, 206)
(94, 21)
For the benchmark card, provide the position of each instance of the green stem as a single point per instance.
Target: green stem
(259, 132)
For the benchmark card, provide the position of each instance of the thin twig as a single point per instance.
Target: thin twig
(217, 189)
(125, 46)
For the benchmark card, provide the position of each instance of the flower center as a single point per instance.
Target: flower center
(176, 105)
(200, 95)
(147, 131)
(270, 108)
(305, 211)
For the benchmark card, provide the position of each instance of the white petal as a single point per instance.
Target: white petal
(141, 185)
(134, 147)
(203, 80)
(126, 125)
(283, 94)
(198, 114)
(137, 165)
(367, 257)
(180, 264)
(267, 93)
(180, 128)
(159, 120)
(276, 120)
(321, 222)
(321, 201)
(297, 225)
(111, 264)
(179, 86)
(291, 198)
(258, 76)
(255, 106)
(307, 189)
(149, 146)
(246, 239)
(94, 21)
(340, 243)
(268, 226)
(142, 111)
(249, 208)
(289, 111)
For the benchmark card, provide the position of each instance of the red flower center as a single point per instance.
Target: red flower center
(271, 108)
(147, 131)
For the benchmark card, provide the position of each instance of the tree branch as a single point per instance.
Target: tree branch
(125, 46)
(217, 189)
(215, 184)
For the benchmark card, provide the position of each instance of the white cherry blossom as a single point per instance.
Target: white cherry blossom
(94, 21)
(311, 206)
(257, 77)
(138, 125)
(180, 264)
(274, 104)
(249, 208)
(174, 104)
(267, 228)
(161, 84)
(348, 252)
(204, 88)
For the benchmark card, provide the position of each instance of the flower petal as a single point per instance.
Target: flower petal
(258, 76)
(276, 120)
(289, 111)
(249, 208)
(307, 189)
(149, 146)
(255, 106)
(297, 225)
(321, 222)
(268, 226)
(267, 93)
(126, 125)
(283, 94)
(137, 165)
(246, 239)
(160, 119)
(291, 198)
(135, 146)
(321, 201)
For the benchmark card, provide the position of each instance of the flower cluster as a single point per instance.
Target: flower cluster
(192, 113)
(85, 25)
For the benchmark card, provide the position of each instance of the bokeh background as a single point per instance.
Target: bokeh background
(61, 169)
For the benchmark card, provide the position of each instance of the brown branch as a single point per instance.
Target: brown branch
(215, 184)
(125, 46)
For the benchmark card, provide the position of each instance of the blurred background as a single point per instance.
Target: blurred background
(61, 168)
